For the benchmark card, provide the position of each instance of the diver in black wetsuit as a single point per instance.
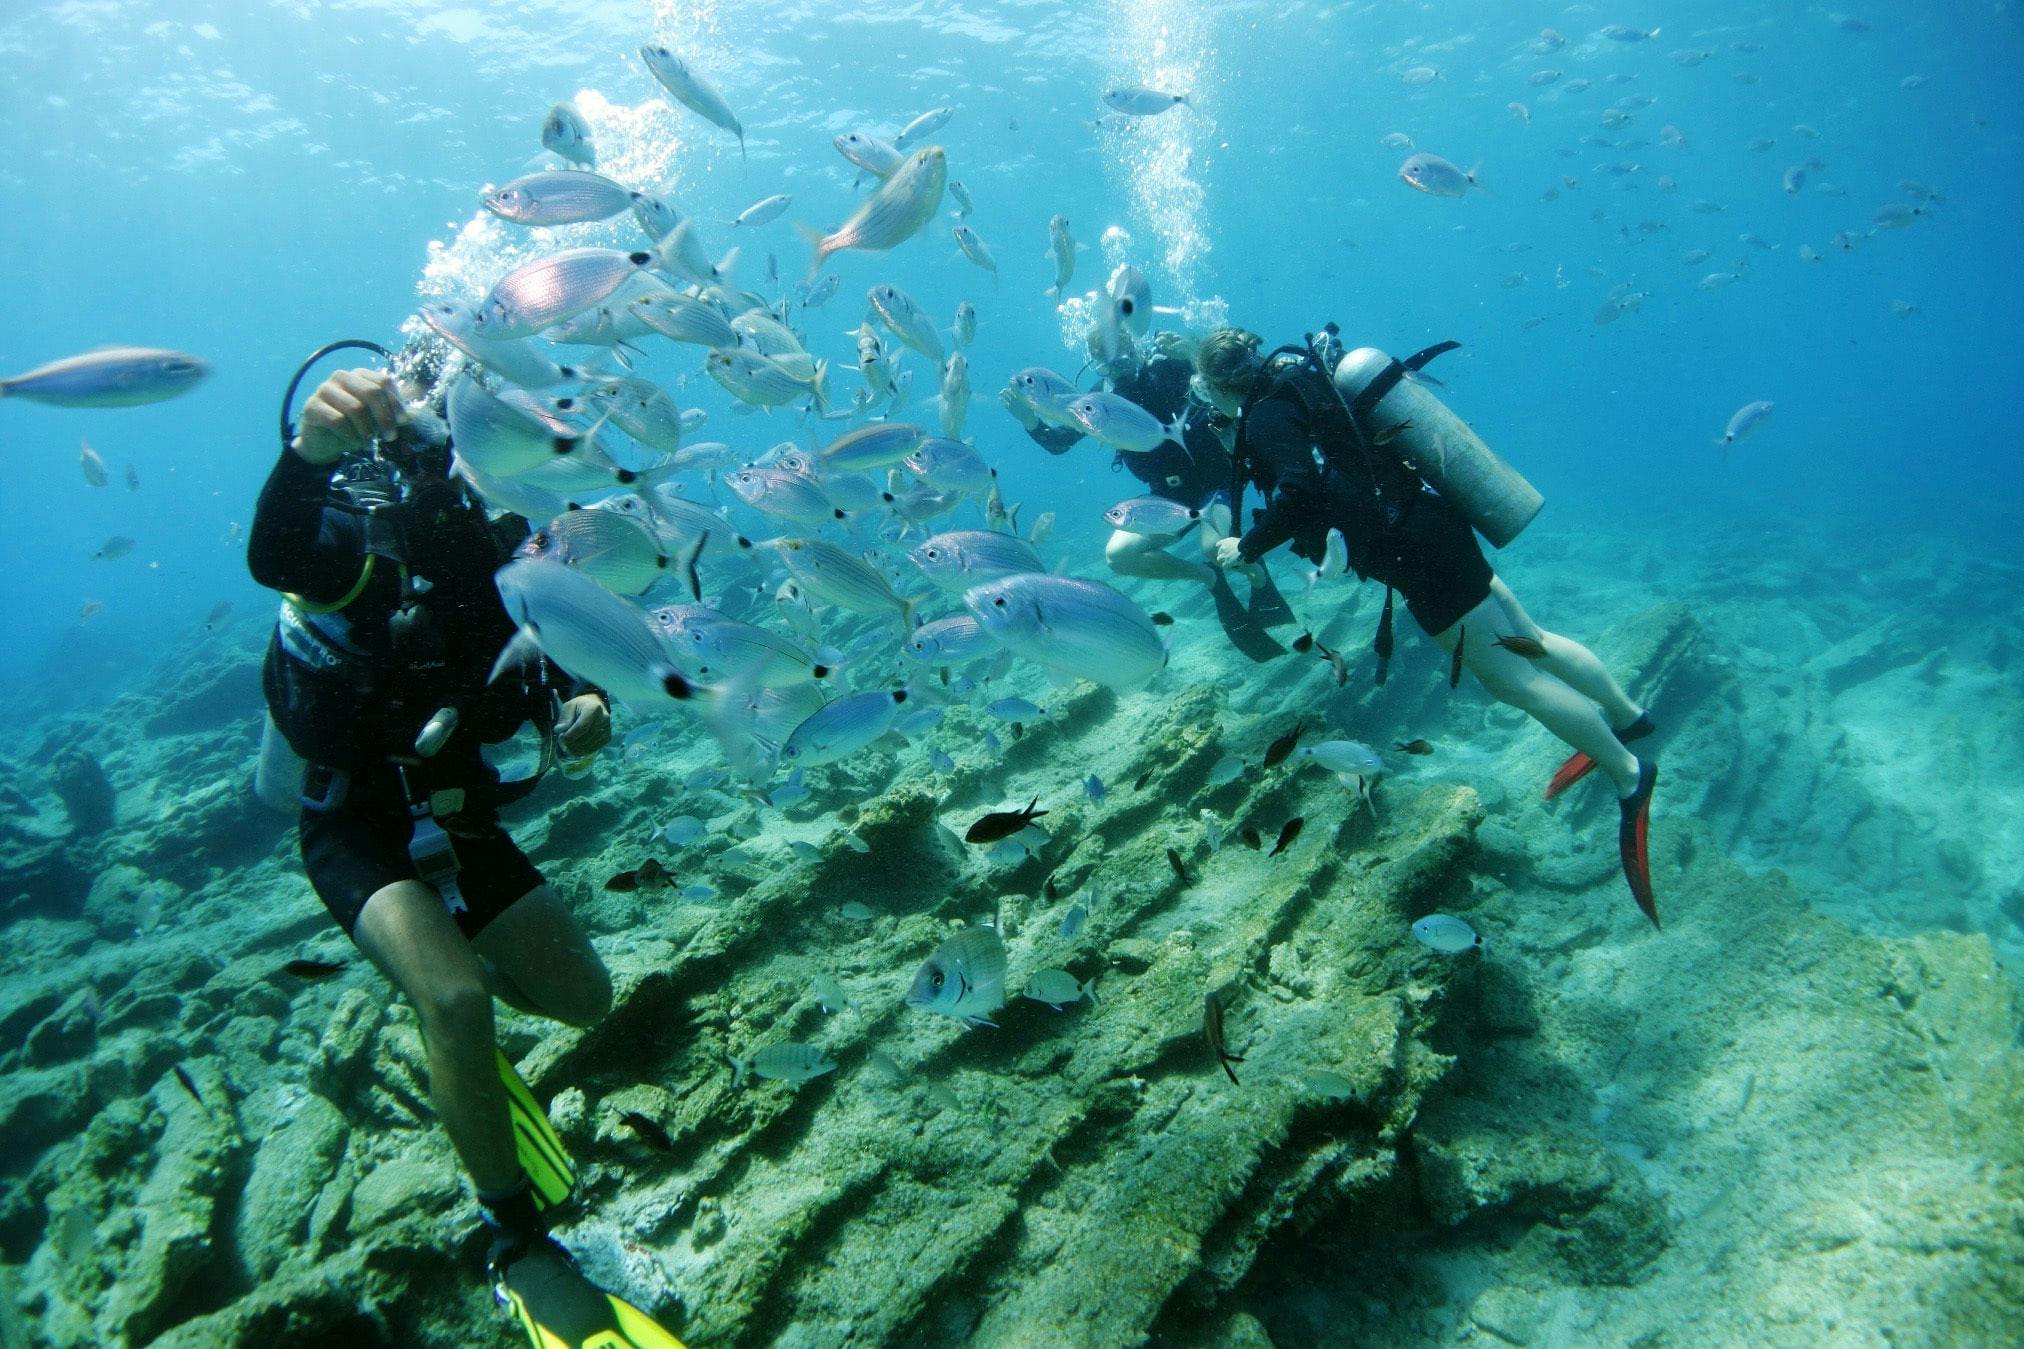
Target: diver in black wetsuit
(1297, 442)
(379, 675)
(1195, 473)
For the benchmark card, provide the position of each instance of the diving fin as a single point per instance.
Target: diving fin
(535, 1142)
(1633, 839)
(1579, 765)
(1243, 631)
(1269, 608)
(561, 1309)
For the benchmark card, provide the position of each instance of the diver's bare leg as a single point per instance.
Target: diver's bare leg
(407, 933)
(1517, 682)
(543, 956)
(1144, 555)
(1569, 661)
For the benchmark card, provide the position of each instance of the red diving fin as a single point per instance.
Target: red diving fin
(1577, 767)
(1633, 839)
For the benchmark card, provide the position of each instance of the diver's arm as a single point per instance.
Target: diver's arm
(297, 546)
(1283, 465)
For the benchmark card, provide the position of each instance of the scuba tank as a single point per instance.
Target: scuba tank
(1439, 446)
(277, 774)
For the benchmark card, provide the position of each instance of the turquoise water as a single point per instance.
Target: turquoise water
(1832, 607)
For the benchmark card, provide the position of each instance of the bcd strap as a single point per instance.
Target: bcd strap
(1389, 377)
(1382, 644)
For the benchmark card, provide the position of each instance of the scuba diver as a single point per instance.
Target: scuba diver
(379, 677)
(1194, 472)
(1352, 443)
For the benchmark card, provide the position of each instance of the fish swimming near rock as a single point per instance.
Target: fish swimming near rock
(788, 1061)
(1413, 747)
(1074, 921)
(647, 1130)
(1081, 629)
(588, 631)
(1287, 833)
(1212, 1031)
(964, 978)
(305, 968)
(1180, 868)
(1002, 823)
(1276, 752)
(1058, 988)
(843, 727)
(1446, 934)
(1253, 840)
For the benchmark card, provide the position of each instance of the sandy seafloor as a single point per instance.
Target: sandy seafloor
(1795, 1116)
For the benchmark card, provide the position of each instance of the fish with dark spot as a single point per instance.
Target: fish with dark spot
(647, 1130)
(1455, 665)
(1284, 745)
(1180, 867)
(1287, 834)
(648, 874)
(1252, 838)
(312, 969)
(1529, 647)
(1212, 1031)
(1413, 747)
(1003, 823)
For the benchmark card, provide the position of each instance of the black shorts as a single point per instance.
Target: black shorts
(1435, 563)
(353, 852)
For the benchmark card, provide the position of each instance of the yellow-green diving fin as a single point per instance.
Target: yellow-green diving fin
(560, 1309)
(541, 1153)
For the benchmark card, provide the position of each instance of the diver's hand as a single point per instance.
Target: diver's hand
(584, 727)
(348, 410)
(1229, 552)
(1021, 410)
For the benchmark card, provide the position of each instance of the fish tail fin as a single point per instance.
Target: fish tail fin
(1475, 177)
(523, 648)
(722, 271)
(820, 250)
(1089, 989)
(739, 1068)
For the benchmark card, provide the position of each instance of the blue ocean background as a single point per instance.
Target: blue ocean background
(247, 183)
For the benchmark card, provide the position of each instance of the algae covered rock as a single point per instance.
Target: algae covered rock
(289, 1171)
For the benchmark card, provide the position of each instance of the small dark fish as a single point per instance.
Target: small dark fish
(1287, 834)
(1180, 867)
(625, 880)
(1528, 647)
(1390, 433)
(1212, 1031)
(1050, 889)
(1336, 664)
(1163, 619)
(1143, 779)
(1003, 823)
(647, 1131)
(1455, 665)
(133, 479)
(189, 1083)
(1414, 747)
(651, 872)
(1304, 642)
(1252, 838)
(312, 969)
(1374, 863)
(1284, 745)
(1019, 733)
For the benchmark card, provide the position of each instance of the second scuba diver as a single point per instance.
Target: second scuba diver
(1193, 472)
(379, 676)
(1321, 469)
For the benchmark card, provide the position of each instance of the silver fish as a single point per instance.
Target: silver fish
(1058, 988)
(876, 157)
(110, 377)
(829, 993)
(964, 331)
(836, 576)
(497, 438)
(588, 631)
(1062, 244)
(907, 320)
(789, 1061)
(114, 548)
(93, 467)
(871, 447)
(963, 558)
(787, 496)
(566, 133)
(755, 379)
(843, 727)
(558, 197)
(949, 641)
(1048, 394)
(950, 466)
(684, 318)
(964, 978)
(1139, 101)
(517, 361)
(548, 290)
(1152, 515)
(655, 216)
(1448, 935)
(615, 549)
(733, 652)
(641, 409)
(1074, 921)
(892, 214)
(927, 124)
(1436, 177)
(681, 253)
(954, 403)
(1745, 420)
(964, 206)
(763, 212)
(1083, 629)
(692, 91)
(974, 249)
(1118, 422)
(822, 292)
(1344, 756)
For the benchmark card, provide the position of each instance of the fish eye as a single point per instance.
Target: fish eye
(999, 602)
(937, 982)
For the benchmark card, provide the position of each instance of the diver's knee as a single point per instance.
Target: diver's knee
(455, 1011)
(585, 998)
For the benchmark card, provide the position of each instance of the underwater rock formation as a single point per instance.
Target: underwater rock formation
(80, 783)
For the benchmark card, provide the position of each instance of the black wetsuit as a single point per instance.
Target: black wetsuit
(1190, 474)
(1301, 453)
(305, 543)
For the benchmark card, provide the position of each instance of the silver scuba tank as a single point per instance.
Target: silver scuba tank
(1490, 494)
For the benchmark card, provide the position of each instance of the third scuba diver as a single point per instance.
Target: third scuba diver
(380, 677)
(1327, 438)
